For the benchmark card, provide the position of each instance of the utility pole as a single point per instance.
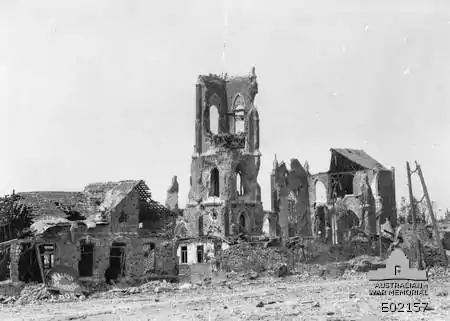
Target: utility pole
(411, 197)
(437, 236)
(413, 215)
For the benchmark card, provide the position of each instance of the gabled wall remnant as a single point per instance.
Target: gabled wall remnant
(172, 195)
(290, 198)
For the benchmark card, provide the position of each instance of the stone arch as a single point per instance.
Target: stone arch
(345, 224)
(321, 192)
(214, 187)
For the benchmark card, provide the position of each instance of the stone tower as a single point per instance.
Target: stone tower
(224, 196)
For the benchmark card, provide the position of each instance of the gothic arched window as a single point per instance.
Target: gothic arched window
(214, 191)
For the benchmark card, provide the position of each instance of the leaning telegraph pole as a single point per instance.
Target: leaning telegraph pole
(437, 236)
(418, 244)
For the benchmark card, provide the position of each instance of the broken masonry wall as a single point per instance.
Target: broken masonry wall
(68, 253)
(125, 216)
(192, 244)
(253, 214)
(291, 186)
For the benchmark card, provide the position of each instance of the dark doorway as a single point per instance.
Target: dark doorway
(117, 260)
(86, 263)
(28, 264)
(200, 253)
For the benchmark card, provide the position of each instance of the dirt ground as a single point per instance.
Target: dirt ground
(282, 299)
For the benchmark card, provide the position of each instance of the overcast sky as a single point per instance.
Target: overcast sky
(104, 90)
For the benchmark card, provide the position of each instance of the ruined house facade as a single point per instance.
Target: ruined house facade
(224, 196)
(356, 188)
(112, 225)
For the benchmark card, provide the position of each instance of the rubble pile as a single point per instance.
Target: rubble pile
(434, 256)
(149, 287)
(34, 293)
(361, 246)
(245, 257)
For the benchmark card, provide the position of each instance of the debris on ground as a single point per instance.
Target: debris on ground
(246, 257)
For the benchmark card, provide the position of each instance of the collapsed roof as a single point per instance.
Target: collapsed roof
(93, 206)
(359, 157)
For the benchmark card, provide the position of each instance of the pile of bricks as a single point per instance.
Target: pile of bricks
(245, 257)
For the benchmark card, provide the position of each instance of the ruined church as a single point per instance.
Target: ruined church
(225, 197)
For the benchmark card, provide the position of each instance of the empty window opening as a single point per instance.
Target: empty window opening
(242, 224)
(149, 257)
(116, 262)
(123, 217)
(239, 119)
(321, 193)
(200, 253)
(342, 185)
(5, 260)
(214, 182)
(200, 225)
(239, 183)
(213, 120)
(184, 254)
(47, 252)
(86, 263)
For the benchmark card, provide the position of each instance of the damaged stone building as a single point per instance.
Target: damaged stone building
(224, 196)
(114, 225)
(356, 188)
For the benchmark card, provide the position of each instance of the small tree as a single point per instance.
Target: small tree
(15, 217)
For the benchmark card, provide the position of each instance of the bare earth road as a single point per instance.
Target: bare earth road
(283, 299)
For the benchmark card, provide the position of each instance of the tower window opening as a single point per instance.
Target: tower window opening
(213, 120)
(214, 182)
(239, 119)
(239, 183)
